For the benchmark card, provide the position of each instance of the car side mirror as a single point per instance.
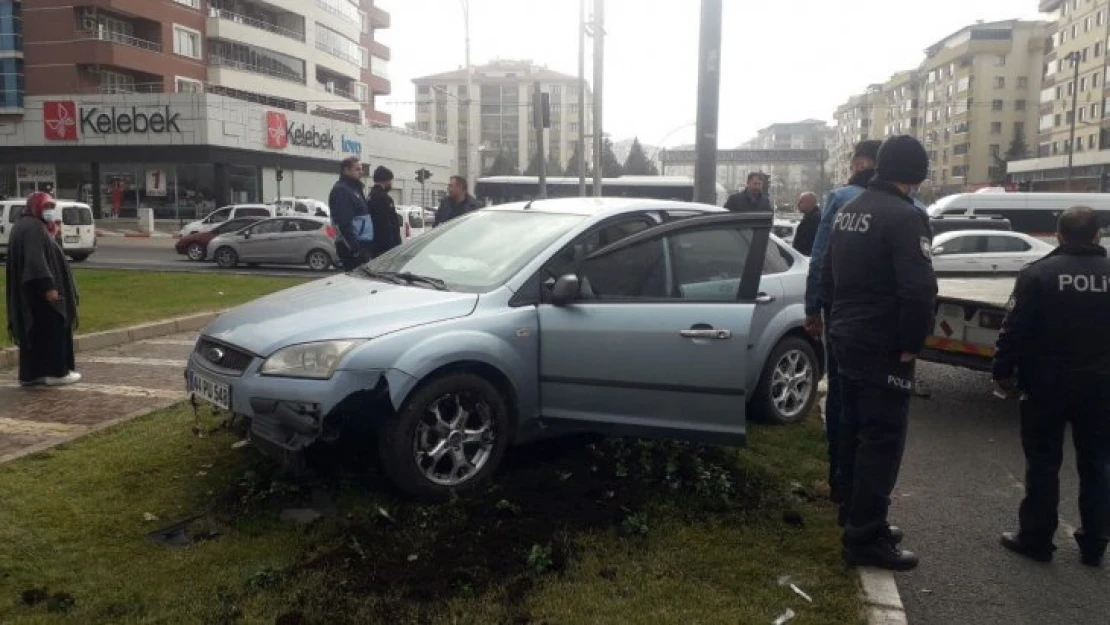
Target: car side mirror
(565, 290)
(245, 235)
(938, 250)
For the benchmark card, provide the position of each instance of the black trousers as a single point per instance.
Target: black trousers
(1044, 418)
(48, 348)
(833, 410)
(352, 259)
(873, 428)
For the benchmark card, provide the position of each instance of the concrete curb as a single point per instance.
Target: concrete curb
(9, 357)
(881, 600)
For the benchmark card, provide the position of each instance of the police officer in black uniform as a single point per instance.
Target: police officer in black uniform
(1057, 338)
(878, 277)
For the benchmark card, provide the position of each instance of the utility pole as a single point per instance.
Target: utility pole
(539, 121)
(599, 70)
(709, 94)
(1074, 57)
(582, 98)
(473, 166)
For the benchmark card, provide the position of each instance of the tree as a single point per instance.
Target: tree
(637, 163)
(610, 166)
(553, 168)
(503, 165)
(1018, 150)
(572, 165)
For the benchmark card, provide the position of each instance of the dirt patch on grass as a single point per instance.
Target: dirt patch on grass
(405, 563)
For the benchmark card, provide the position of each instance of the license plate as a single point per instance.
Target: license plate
(216, 393)
(72, 239)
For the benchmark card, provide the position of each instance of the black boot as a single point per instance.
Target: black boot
(1040, 553)
(1091, 551)
(883, 553)
(895, 533)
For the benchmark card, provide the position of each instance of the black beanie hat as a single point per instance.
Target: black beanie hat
(903, 159)
(867, 149)
(382, 174)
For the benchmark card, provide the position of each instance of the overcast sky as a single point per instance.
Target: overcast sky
(783, 61)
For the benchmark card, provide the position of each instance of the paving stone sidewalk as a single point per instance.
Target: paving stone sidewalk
(119, 383)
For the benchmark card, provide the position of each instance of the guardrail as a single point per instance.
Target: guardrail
(224, 14)
(219, 61)
(120, 38)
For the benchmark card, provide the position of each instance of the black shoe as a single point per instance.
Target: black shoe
(883, 553)
(1013, 542)
(1091, 552)
(895, 533)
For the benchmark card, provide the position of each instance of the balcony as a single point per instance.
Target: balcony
(379, 85)
(379, 50)
(220, 62)
(113, 49)
(218, 18)
(119, 38)
(379, 18)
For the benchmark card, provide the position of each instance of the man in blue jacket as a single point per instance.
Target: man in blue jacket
(351, 216)
(863, 169)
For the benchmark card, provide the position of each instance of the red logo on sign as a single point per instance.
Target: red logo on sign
(275, 130)
(59, 121)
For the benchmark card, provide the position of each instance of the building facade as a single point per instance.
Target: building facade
(307, 56)
(1074, 93)
(855, 122)
(790, 179)
(501, 113)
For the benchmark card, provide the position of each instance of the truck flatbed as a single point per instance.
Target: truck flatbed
(969, 315)
(987, 290)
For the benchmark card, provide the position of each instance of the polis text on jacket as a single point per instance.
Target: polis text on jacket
(126, 122)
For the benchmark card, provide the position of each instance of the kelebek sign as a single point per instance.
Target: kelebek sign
(282, 133)
(60, 121)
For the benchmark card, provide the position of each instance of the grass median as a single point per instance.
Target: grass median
(572, 532)
(115, 299)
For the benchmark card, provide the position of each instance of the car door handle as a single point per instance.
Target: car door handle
(764, 298)
(706, 333)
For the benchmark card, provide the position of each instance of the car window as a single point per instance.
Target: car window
(566, 259)
(302, 225)
(272, 226)
(232, 226)
(77, 216)
(416, 220)
(962, 245)
(634, 272)
(219, 216)
(15, 212)
(709, 264)
(1007, 244)
(254, 212)
(303, 208)
(776, 260)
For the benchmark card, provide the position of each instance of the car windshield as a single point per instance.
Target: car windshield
(479, 252)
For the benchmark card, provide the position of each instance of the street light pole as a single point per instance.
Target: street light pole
(471, 148)
(709, 95)
(581, 98)
(599, 71)
(1074, 58)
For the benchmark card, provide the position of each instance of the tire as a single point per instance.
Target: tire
(196, 252)
(791, 374)
(413, 428)
(227, 258)
(79, 258)
(318, 260)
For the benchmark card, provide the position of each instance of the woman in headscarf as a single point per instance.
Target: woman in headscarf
(42, 298)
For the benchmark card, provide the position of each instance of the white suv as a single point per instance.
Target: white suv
(221, 215)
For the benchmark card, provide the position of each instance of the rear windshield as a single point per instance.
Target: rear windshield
(77, 216)
(14, 213)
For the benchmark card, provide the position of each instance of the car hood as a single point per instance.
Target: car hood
(193, 225)
(339, 307)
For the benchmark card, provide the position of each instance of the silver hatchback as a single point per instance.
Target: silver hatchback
(523, 321)
(282, 241)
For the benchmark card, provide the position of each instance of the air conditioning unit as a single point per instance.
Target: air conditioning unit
(88, 19)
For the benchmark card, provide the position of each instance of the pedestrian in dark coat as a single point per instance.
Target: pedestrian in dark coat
(751, 199)
(457, 203)
(806, 232)
(41, 297)
(351, 216)
(383, 213)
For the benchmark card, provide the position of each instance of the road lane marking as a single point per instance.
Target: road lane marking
(130, 360)
(19, 427)
(105, 389)
(180, 342)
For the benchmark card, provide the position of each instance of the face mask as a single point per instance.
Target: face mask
(49, 215)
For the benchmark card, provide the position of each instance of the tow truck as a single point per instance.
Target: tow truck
(968, 319)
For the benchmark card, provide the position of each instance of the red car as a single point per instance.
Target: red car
(195, 245)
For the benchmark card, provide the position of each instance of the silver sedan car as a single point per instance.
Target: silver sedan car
(524, 321)
(282, 241)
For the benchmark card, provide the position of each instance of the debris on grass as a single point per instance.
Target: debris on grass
(34, 596)
(240, 444)
(539, 559)
(786, 581)
(149, 517)
(301, 516)
(785, 617)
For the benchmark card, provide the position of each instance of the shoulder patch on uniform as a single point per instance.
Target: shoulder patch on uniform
(927, 248)
(1011, 304)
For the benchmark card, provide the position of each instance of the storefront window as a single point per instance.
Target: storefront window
(182, 191)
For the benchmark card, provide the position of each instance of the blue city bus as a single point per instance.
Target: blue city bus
(504, 189)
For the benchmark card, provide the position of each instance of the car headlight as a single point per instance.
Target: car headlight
(309, 360)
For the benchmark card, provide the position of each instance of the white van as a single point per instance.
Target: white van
(226, 213)
(301, 206)
(1030, 213)
(78, 227)
(413, 221)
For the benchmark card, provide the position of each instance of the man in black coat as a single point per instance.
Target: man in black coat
(751, 199)
(807, 228)
(351, 215)
(457, 203)
(383, 214)
(1055, 348)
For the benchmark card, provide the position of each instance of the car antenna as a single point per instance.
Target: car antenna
(529, 204)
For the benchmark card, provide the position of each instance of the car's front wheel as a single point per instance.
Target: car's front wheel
(195, 252)
(318, 260)
(788, 386)
(448, 438)
(227, 258)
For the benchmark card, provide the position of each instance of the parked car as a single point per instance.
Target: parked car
(300, 206)
(195, 245)
(985, 251)
(220, 215)
(785, 229)
(413, 221)
(281, 241)
(78, 229)
(523, 321)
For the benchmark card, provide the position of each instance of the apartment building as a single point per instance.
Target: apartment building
(978, 89)
(1076, 68)
(900, 110)
(788, 180)
(502, 113)
(94, 91)
(855, 122)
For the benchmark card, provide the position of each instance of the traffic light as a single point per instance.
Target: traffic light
(279, 175)
(422, 175)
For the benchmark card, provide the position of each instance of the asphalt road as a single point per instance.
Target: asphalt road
(157, 254)
(960, 486)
